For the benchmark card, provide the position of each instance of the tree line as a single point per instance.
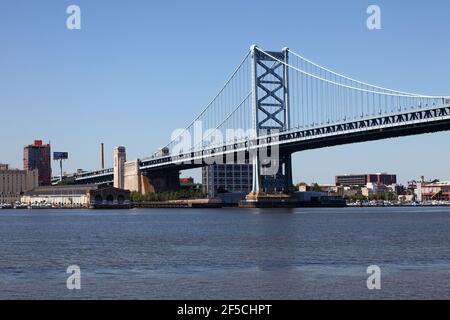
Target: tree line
(167, 196)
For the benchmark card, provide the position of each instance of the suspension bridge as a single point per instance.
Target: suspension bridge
(282, 101)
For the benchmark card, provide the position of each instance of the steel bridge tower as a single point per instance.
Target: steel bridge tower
(270, 113)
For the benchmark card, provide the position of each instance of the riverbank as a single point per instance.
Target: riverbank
(195, 203)
(217, 204)
(398, 204)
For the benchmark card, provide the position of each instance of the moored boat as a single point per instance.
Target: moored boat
(20, 206)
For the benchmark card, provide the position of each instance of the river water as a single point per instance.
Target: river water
(226, 253)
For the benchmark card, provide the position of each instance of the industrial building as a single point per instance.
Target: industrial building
(237, 178)
(76, 196)
(226, 178)
(37, 156)
(361, 180)
(14, 182)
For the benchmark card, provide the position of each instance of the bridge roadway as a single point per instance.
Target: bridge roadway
(405, 123)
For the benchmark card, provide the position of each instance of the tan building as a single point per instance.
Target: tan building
(14, 183)
(76, 196)
(375, 189)
(120, 157)
(347, 191)
(330, 189)
(407, 198)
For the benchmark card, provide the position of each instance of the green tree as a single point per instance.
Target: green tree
(166, 196)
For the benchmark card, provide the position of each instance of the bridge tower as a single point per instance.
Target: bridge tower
(120, 157)
(270, 112)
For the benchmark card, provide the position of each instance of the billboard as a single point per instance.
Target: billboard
(60, 155)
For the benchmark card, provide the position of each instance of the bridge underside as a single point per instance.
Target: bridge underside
(369, 135)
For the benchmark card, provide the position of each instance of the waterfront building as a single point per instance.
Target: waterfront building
(227, 178)
(76, 195)
(376, 189)
(14, 182)
(237, 178)
(37, 156)
(347, 192)
(361, 180)
(433, 191)
(325, 188)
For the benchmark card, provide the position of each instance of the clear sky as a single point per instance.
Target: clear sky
(139, 69)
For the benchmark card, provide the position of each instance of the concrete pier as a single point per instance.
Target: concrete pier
(268, 200)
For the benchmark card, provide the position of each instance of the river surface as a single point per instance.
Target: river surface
(226, 253)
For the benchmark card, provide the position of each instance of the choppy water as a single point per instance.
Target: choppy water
(226, 253)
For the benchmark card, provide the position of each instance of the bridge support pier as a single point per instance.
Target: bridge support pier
(150, 182)
(130, 176)
(256, 176)
(288, 182)
(275, 190)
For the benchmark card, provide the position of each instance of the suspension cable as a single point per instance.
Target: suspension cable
(342, 85)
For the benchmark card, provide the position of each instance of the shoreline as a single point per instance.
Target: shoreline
(173, 206)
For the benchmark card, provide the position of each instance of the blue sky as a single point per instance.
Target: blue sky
(139, 69)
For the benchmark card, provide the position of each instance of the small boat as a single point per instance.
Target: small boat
(41, 206)
(21, 206)
(36, 206)
(6, 206)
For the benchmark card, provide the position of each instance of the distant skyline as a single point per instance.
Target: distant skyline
(138, 70)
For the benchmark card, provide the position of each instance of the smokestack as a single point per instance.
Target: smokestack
(102, 156)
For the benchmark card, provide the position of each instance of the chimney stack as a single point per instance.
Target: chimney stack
(102, 156)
